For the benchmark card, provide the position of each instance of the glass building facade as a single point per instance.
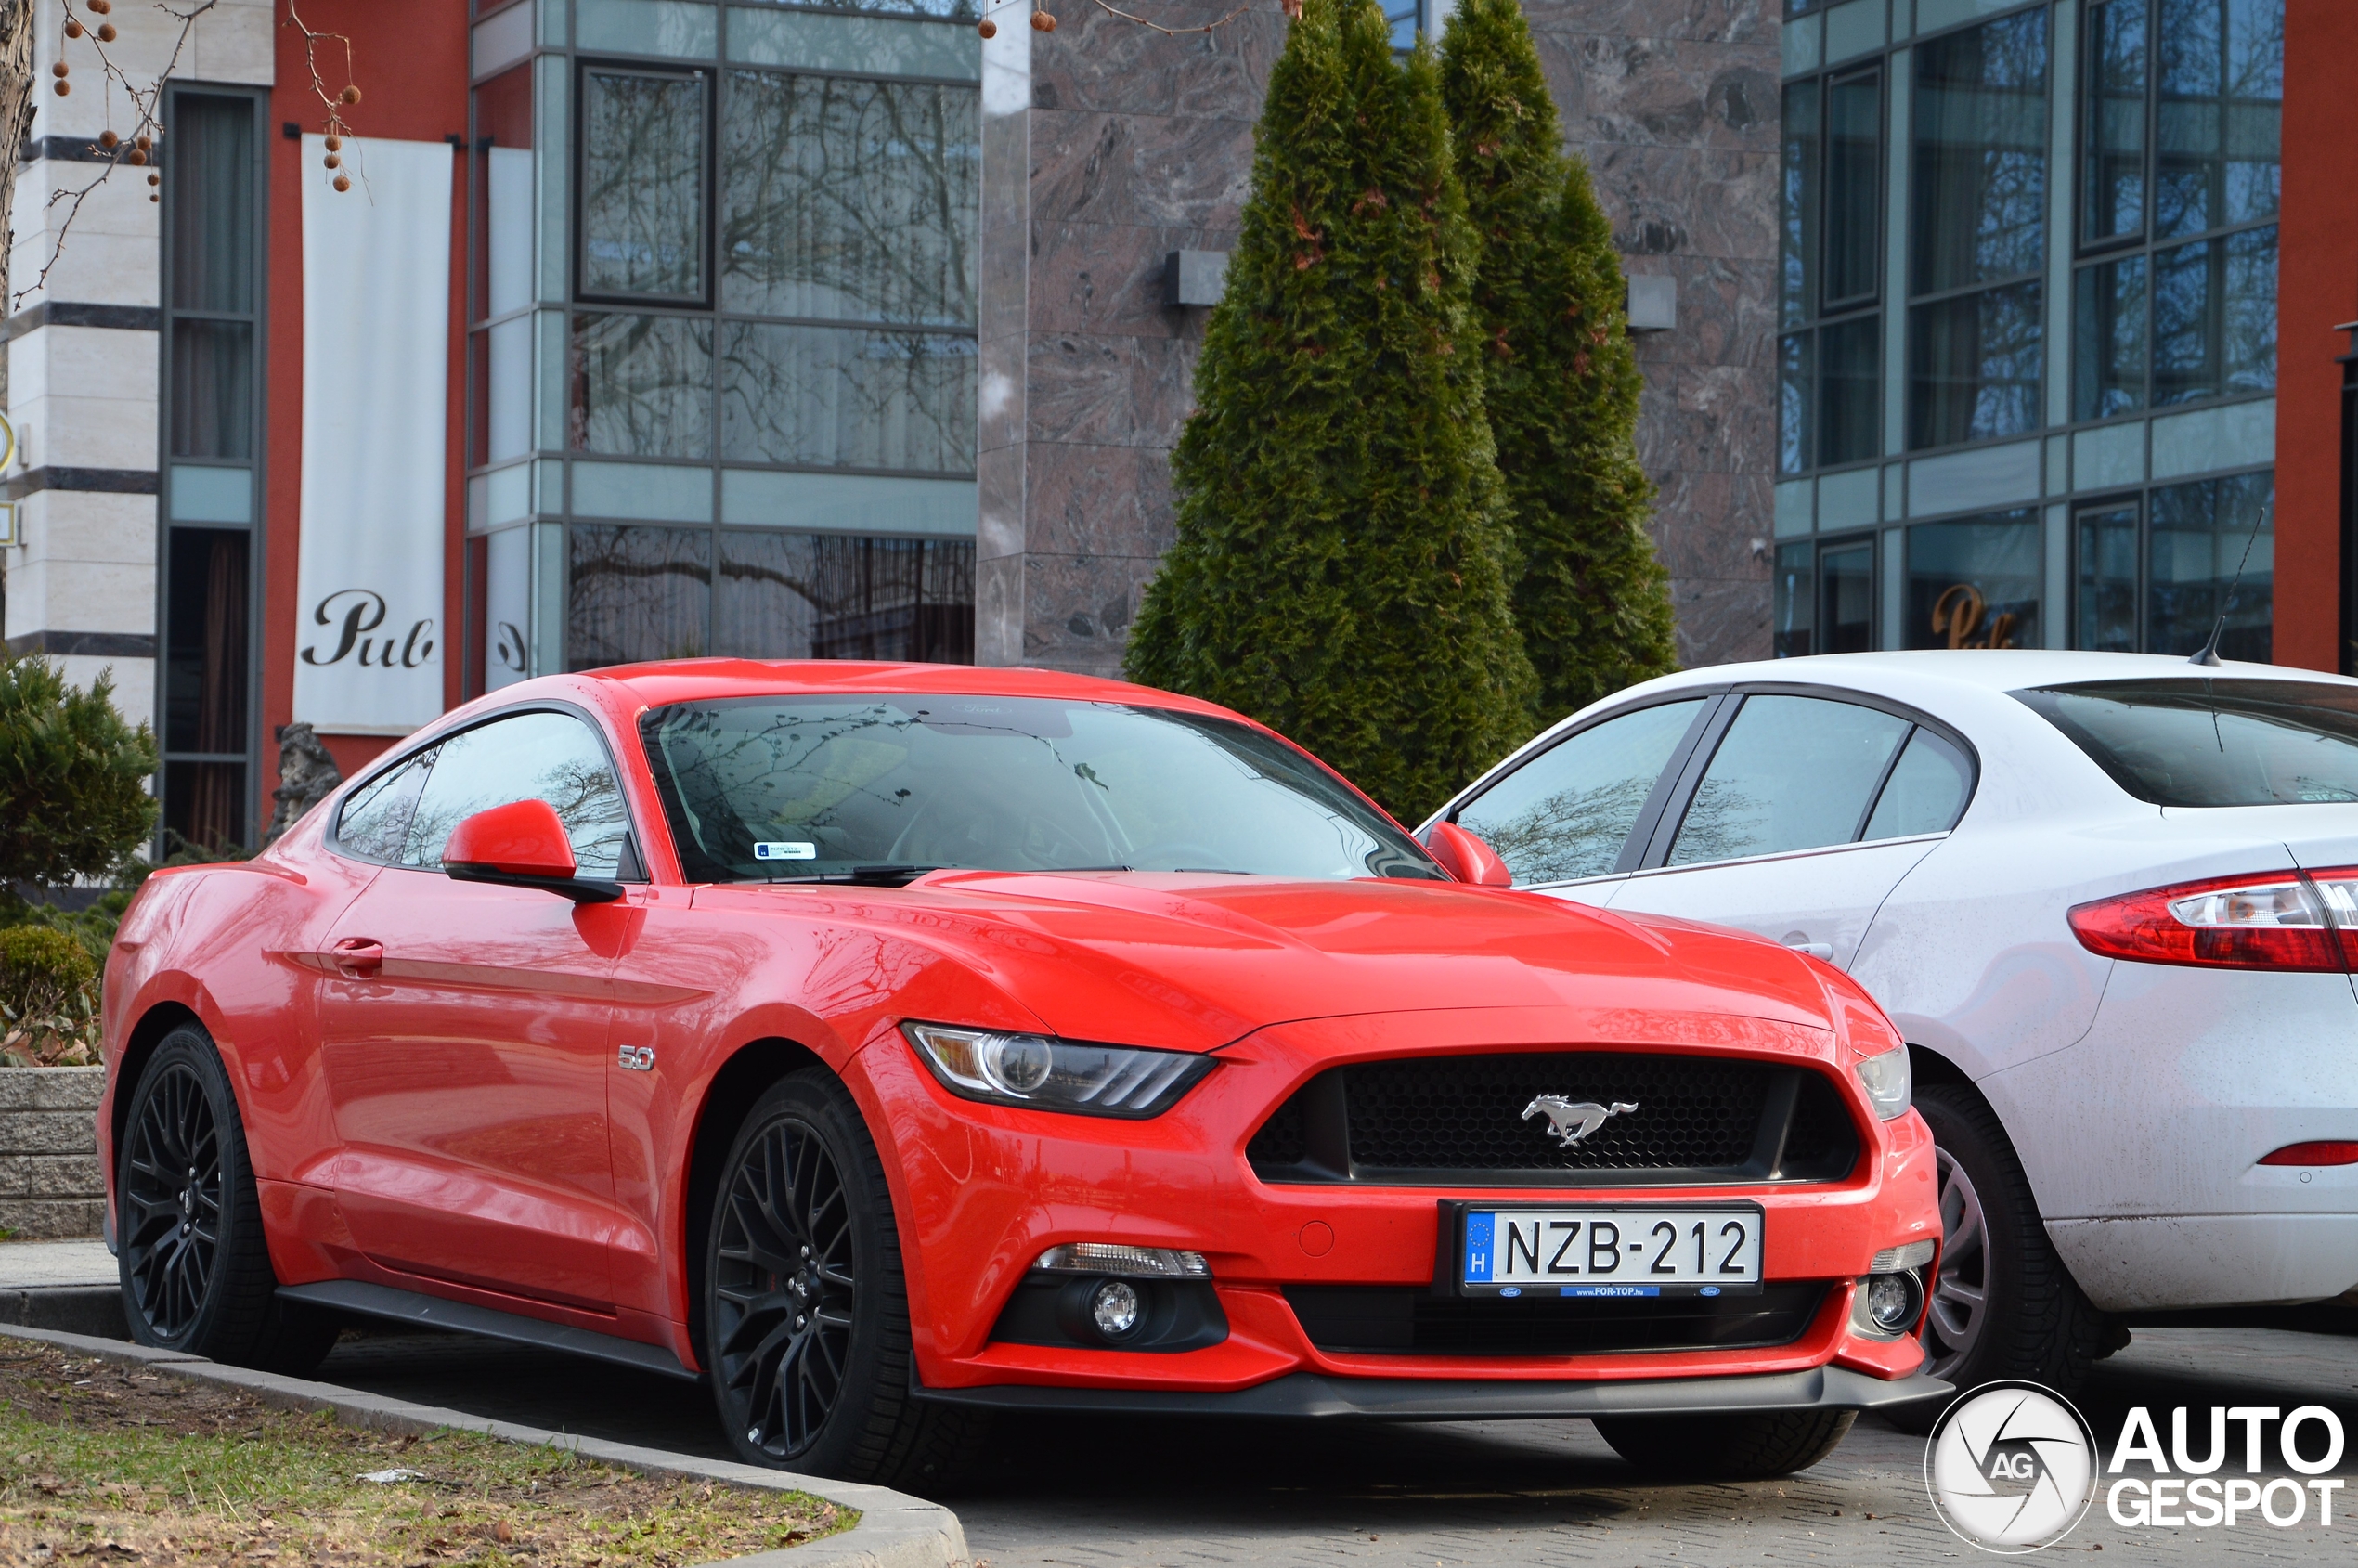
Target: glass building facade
(2028, 307)
(722, 344)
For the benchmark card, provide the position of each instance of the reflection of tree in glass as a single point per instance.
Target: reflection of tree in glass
(643, 177)
(638, 594)
(1723, 823)
(1572, 833)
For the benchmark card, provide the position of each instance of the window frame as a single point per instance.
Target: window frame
(707, 235)
(635, 853)
(1819, 313)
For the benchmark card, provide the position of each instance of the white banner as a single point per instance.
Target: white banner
(376, 368)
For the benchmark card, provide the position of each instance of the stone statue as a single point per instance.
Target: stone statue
(305, 775)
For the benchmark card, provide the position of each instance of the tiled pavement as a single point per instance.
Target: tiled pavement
(1107, 1494)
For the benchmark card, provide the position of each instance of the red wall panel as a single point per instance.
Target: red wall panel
(2316, 288)
(410, 62)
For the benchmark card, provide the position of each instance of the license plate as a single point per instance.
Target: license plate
(1609, 1252)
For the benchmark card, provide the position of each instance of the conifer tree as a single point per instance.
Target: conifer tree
(1341, 567)
(1592, 601)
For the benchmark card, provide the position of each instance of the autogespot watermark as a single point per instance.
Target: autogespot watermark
(2013, 1468)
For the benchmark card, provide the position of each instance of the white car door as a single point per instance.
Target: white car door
(1802, 814)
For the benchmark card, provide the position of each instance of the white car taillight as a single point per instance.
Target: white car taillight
(2277, 920)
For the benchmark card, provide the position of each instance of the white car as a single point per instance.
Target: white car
(2111, 900)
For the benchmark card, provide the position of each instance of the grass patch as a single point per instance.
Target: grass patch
(106, 1463)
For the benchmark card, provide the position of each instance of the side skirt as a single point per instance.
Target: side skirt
(391, 1305)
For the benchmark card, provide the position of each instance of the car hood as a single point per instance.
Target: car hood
(1193, 962)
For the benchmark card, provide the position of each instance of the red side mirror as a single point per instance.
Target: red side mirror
(522, 838)
(1467, 857)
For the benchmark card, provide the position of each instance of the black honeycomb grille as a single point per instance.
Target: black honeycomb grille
(1460, 1121)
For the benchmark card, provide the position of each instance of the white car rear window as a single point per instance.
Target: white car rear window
(2204, 741)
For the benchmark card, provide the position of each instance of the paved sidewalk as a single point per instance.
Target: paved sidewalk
(50, 1265)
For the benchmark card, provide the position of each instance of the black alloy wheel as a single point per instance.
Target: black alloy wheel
(806, 1310)
(171, 1195)
(194, 1263)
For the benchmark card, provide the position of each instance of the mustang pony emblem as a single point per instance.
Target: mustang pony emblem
(1571, 1121)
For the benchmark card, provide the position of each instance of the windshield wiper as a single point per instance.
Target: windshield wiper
(866, 875)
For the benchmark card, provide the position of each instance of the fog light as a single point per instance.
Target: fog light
(1113, 1307)
(1886, 1305)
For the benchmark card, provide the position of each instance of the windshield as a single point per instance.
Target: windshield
(2207, 742)
(833, 788)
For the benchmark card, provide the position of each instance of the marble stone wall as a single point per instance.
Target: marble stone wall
(1107, 146)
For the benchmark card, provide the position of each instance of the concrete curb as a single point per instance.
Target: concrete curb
(895, 1529)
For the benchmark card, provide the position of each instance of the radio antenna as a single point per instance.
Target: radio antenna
(2208, 654)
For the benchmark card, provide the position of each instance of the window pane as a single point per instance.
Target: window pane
(2200, 533)
(1854, 184)
(550, 757)
(502, 193)
(204, 805)
(2208, 741)
(375, 820)
(1925, 792)
(1980, 190)
(641, 386)
(205, 674)
(2215, 317)
(213, 203)
(2108, 359)
(1797, 605)
(1797, 243)
(1850, 391)
(1976, 584)
(212, 389)
(638, 593)
(1796, 360)
(2112, 130)
(2222, 68)
(850, 200)
(2107, 581)
(802, 596)
(1793, 773)
(1974, 363)
(848, 398)
(642, 153)
(1567, 812)
(1846, 599)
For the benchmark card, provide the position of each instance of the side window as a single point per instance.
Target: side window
(1790, 774)
(375, 819)
(1567, 812)
(1926, 792)
(550, 757)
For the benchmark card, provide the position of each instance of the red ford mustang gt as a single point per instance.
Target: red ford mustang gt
(893, 1044)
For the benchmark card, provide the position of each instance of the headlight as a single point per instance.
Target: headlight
(1886, 1080)
(1048, 1074)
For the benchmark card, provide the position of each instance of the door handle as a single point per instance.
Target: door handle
(1799, 942)
(358, 958)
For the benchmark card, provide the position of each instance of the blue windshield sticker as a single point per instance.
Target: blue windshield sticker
(788, 852)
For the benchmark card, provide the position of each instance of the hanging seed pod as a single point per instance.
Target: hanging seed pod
(73, 28)
(100, 7)
(335, 144)
(64, 87)
(1042, 22)
(343, 182)
(988, 28)
(155, 179)
(143, 143)
(350, 94)
(59, 69)
(332, 161)
(109, 139)
(135, 157)
(106, 32)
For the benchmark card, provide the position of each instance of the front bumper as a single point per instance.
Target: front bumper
(982, 1190)
(1315, 1395)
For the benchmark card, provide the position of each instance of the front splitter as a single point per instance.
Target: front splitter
(1311, 1395)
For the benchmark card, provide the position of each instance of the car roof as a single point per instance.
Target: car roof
(1994, 669)
(675, 681)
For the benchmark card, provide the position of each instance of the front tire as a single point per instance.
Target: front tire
(806, 1300)
(1748, 1447)
(194, 1263)
(2003, 1306)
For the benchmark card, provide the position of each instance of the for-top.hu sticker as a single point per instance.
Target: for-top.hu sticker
(2011, 1467)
